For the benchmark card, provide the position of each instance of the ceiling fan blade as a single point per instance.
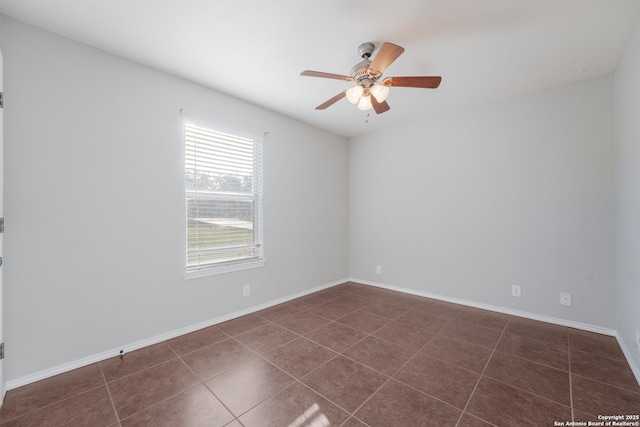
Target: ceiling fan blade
(332, 101)
(311, 73)
(388, 53)
(426, 82)
(379, 107)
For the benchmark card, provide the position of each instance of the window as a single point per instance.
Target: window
(223, 184)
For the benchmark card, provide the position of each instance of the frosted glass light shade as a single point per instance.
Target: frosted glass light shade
(365, 103)
(354, 94)
(380, 92)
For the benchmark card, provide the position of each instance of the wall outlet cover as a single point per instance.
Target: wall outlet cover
(565, 298)
(516, 291)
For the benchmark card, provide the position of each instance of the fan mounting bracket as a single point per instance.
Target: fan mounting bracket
(365, 50)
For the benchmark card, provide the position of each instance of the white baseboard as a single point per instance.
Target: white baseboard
(533, 316)
(163, 337)
(60, 369)
(525, 314)
(627, 355)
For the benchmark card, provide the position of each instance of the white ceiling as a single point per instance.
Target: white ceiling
(485, 50)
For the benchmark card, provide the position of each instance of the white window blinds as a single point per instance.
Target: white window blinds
(224, 199)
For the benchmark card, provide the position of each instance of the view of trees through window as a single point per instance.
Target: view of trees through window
(221, 198)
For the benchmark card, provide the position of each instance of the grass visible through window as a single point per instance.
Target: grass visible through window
(203, 235)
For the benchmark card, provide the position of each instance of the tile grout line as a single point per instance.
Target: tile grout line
(367, 335)
(337, 354)
(601, 357)
(199, 348)
(515, 356)
(341, 324)
(414, 307)
(162, 401)
(256, 353)
(201, 382)
(295, 380)
(329, 321)
(609, 384)
(140, 370)
(355, 418)
(341, 353)
(177, 356)
(371, 300)
(248, 330)
(476, 417)
(235, 418)
(298, 336)
(537, 340)
(393, 319)
(309, 331)
(105, 384)
(546, 343)
(521, 389)
(349, 414)
(573, 414)
(391, 377)
(17, 417)
(262, 357)
(528, 392)
(493, 352)
(113, 404)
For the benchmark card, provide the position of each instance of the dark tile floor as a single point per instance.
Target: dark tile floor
(351, 355)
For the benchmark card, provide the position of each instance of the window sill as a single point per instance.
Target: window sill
(222, 269)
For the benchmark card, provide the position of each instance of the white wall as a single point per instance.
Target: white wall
(627, 92)
(467, 204)
(95, 211)
(463, 205)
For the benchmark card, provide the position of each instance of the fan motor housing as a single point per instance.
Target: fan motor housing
(361, 70)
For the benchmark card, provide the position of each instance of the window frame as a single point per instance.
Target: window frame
(221, 267)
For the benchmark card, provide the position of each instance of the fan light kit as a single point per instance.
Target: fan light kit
(368, 91)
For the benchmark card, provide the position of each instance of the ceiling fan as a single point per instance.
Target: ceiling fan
(370, 91)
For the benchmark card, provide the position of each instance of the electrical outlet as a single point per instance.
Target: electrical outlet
(379, 269)
(516, 291)
(246, 290)
(565, 298)
(638, 339)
